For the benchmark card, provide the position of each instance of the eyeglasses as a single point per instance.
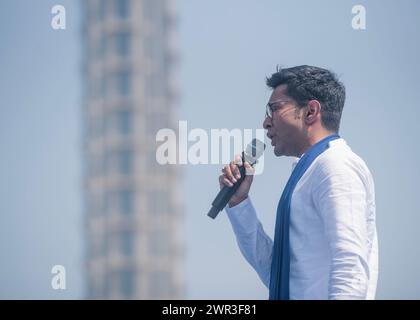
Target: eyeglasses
(273, 106)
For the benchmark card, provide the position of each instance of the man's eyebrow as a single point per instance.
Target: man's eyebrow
(277, 100)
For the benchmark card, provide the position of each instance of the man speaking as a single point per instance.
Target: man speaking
(325, 244)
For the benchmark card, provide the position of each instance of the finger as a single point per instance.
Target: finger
(227, 182)
(228, 174)
(249, 170)
(235, 169)
(221, 184)
(223, 181)
(238, 160)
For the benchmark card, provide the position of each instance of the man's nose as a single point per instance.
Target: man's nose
(267, 123)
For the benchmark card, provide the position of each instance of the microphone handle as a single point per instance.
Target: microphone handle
(225, 194)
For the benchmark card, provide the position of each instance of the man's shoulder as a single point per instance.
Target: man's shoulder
(339, 158)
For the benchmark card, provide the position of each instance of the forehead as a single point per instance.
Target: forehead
(279, 93)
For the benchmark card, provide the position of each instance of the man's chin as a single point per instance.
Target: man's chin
(277, 152)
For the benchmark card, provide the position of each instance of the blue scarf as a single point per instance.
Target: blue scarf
(280, 265)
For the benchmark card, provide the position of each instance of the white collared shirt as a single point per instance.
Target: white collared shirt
(333, 240)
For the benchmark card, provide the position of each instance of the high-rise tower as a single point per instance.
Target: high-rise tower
(132, 204)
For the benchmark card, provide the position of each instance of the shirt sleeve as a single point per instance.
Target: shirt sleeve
(340, 199)
(255, 245)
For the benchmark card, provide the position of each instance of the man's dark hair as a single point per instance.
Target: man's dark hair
(305, 83)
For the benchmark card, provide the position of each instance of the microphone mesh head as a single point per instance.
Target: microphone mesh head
(254, 150)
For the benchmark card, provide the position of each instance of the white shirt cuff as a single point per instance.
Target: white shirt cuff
(243, 217)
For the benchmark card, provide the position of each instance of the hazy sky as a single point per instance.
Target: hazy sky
(227, 49)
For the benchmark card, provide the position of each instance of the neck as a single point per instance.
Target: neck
(313, 138)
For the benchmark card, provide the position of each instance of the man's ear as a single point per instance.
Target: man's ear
(312, 112)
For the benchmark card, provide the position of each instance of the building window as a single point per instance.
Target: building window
(122, 8)
(125, 162)
(102, 9)
(120, 122)
(124, 120)
(123, 80)
(126, 201)
(155, 82)
(94, 165)
(90, 49)
(122, 43)
(118, 163)
(158, 202)
(127, 283)
(107, 203)
(102, 47)
(91, 90)
(153, 10)
(109, 123)
(106, 245)
(127, 243)
(107, 163)
(103, 87)
(94, 203)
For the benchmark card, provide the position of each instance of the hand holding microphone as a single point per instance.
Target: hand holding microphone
(231, 174)
(236, 179)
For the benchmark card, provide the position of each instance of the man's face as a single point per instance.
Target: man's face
(284, 128)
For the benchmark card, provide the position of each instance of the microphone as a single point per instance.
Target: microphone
(253, 151)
